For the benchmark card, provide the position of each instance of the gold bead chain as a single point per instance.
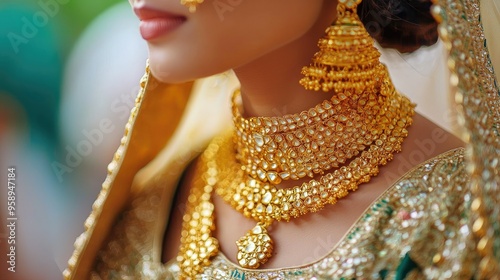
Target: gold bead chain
(197, 243)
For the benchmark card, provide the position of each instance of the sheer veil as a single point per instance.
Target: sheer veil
(477, 95)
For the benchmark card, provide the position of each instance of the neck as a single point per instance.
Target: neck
(270, 85)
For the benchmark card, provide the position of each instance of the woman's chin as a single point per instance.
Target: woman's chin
(177, 65)
(169, 75)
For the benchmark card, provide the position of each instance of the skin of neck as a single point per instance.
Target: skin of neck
(270, 84)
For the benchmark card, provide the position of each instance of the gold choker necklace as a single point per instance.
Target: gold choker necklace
(295, 146)
(227, 167)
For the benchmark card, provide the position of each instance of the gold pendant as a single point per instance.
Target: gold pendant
(255, 248)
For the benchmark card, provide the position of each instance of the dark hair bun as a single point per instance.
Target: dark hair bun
(393, 23)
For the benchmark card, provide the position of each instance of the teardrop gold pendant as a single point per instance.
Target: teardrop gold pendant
(255, 248)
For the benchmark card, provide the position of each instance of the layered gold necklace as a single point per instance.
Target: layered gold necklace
(342, 141)
(339, 144)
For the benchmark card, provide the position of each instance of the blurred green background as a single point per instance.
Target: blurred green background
(37, 39)
(31, 68)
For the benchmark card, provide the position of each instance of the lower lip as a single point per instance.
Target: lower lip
(153, 28)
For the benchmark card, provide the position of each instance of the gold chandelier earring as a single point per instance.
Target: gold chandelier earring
(347, 60)
(191, 4)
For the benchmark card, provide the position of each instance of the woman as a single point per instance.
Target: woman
(419, 212)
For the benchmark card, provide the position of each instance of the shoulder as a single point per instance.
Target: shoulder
(433, 212)
(419, 226)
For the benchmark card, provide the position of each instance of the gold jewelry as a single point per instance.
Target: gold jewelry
(191, 4)
(197, 243)
(263, 202)
(347, 61)
(244, 170)
(220, 169)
